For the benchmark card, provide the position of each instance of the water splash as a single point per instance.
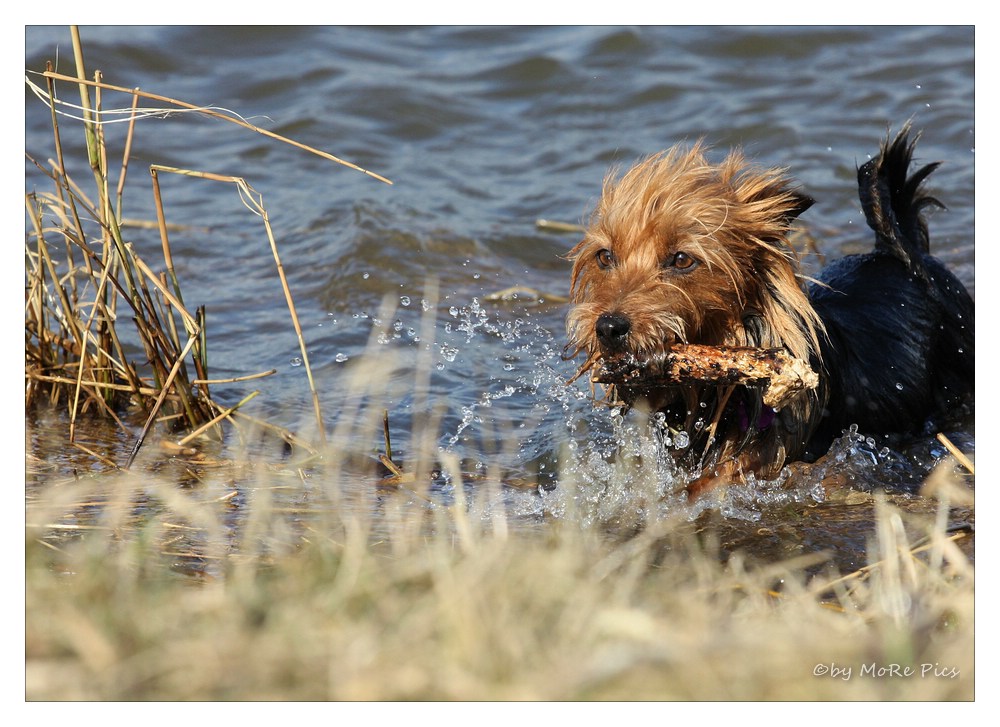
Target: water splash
(590, 464)
(860, 463)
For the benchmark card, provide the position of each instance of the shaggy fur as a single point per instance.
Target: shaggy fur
(681, 250)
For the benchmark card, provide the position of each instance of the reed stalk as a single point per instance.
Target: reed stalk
(84, 280)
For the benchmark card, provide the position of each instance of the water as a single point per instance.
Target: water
(483, 131)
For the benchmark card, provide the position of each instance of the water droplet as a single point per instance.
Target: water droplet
(681, 440)
(364, 276)
(340, 357)
(899, 386)
(296, 361)
(404, 300)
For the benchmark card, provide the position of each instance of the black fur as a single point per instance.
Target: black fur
(900, 344)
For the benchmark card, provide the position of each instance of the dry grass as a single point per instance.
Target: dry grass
(168, 594)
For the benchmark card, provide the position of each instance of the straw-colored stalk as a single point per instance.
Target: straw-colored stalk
(73, 348)
(254, 202)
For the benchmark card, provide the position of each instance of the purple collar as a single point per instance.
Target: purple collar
(765, 419)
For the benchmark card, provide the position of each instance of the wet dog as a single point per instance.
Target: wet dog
(682, 251)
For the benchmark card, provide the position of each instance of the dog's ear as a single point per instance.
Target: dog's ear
(801, 202)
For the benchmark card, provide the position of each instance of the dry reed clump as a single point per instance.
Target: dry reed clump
(85, 283)
(389, 597)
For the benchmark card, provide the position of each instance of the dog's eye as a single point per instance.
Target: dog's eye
(682, 261)
(605, 258)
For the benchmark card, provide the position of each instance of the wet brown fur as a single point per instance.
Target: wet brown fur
(745, 290)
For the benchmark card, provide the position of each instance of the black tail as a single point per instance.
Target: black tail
(893, 203)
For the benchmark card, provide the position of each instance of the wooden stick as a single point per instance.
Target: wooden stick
(773, 369)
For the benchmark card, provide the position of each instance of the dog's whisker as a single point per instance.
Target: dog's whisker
(592, 359)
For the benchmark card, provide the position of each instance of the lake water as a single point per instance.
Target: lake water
(483, 132)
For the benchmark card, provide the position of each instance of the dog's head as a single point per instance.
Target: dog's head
(681, 250)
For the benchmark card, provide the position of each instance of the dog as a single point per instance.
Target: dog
(683, 251)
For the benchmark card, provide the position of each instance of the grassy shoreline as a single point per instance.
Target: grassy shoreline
(430, 602)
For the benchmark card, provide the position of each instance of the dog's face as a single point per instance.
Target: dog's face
(679, 250)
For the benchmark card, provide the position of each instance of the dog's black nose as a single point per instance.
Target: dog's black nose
(612, 329)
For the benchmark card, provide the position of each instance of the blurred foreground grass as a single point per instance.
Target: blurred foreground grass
(164, 593)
